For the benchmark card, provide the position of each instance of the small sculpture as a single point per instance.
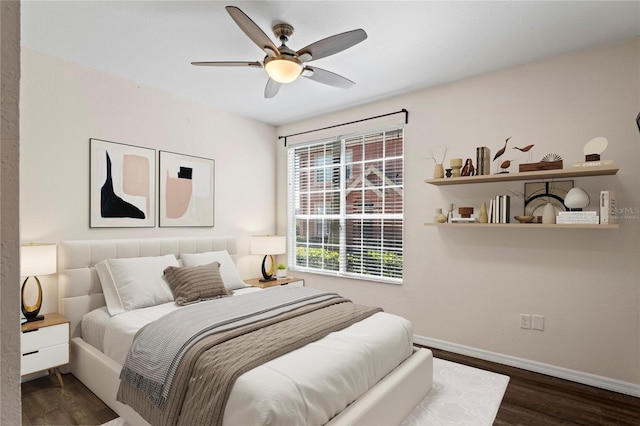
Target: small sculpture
(501, 150)
(525, 149)
(594, 148)
(551, 157)
(468, 169)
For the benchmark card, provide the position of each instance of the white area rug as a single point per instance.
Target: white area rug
(460, 396)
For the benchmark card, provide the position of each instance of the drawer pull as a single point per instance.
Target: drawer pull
(30, 331)
(30, 353)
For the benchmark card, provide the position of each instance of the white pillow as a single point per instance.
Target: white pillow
(228, 271)
(135, 282)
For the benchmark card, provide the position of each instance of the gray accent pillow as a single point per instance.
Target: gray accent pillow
(191, 284)
(228, 269)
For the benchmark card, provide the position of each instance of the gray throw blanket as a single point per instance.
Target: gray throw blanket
(159, 347)
(205, 377)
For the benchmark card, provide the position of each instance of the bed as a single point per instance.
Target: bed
(400, 379)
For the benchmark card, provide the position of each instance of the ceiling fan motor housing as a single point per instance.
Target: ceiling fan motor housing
(283, 32)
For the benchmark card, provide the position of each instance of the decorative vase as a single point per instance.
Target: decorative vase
(456, 165)
(549, 214)
(442, 218)
(437, 215)
(438, 171)
(449, 172)
(483, 217)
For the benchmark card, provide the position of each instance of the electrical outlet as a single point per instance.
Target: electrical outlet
(538, 322)
(525, 321)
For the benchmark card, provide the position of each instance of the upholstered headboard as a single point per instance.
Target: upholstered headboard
(79, 289)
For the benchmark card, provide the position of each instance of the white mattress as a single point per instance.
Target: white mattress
(317, 381)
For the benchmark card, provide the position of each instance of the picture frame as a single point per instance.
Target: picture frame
(187, 190)
(122, 185)
(538, 194)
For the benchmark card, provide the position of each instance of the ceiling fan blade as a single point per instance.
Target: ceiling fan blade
(271, 89)
(327, 77)
(253, 31)
(227, 64)
(331, 45)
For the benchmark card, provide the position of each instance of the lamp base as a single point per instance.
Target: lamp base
(268, 274)
(36, 318)
(30, 312)
(266, 280)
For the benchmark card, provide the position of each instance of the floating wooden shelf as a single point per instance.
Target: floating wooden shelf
(610, 169)
(521, 225)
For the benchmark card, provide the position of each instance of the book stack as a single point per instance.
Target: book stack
(483, 161)
(464, 220)
(500, 209)
(578, 218)
(593, 163)
(608, 207)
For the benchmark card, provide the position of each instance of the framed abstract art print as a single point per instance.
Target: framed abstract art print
(186, 190)
(123, 190)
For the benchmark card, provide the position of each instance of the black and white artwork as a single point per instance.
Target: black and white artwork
(123, 191)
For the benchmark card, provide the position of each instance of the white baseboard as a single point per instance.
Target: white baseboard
(537, 367)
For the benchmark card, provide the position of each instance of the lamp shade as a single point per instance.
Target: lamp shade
(576, 198)
(283, 69)
(268, 244)
(37, 259)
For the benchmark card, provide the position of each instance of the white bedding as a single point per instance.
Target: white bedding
(351, 360)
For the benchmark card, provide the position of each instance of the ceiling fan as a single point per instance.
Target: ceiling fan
(284, 65)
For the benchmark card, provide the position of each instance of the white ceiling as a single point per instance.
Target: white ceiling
(411, 45)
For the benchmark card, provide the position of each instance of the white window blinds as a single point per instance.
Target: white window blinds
(346, 205)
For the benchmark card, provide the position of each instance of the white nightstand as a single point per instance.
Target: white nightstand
(290, 281)
(44, 345)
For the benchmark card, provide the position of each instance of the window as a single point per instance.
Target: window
(346, 205)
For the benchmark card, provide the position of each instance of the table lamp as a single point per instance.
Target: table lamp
(35, 259)
(268, 245)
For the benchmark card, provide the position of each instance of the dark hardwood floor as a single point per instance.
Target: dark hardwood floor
(537, 399)
(530, 399)
(44, 402)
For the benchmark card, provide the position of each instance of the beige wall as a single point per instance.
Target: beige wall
(64, 104)
(468, 287)
(463, 287)
(10, 412)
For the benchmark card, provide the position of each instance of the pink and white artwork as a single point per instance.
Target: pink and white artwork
(186, 190)
(123, 192)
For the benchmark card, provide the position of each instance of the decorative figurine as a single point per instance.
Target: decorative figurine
(501, 150)
(468, 169)
(525, 149)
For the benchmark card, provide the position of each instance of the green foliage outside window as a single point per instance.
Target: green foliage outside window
(322, 258)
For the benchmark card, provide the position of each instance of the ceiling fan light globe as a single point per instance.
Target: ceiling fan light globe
(283, 70)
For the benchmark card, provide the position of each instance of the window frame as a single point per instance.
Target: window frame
(346, 167)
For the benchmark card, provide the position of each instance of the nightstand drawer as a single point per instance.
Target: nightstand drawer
(44, 359)
(44, 337)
